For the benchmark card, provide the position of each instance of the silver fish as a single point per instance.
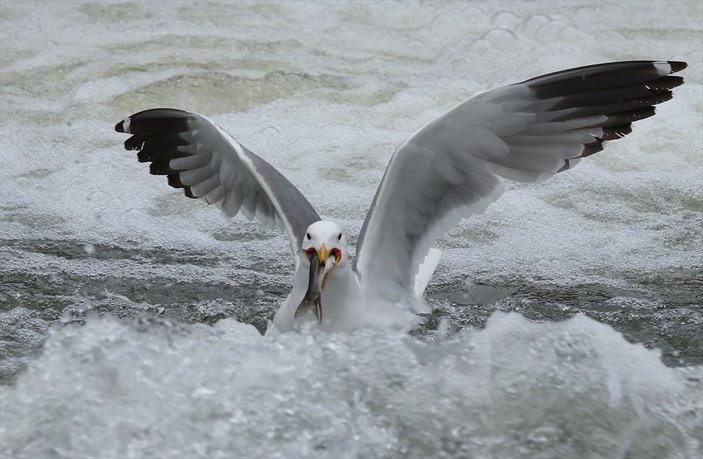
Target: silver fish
(314, 293)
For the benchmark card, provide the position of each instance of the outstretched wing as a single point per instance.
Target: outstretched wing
(200, 157)
(526, 132)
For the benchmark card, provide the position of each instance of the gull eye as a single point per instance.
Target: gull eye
(308, 236)
(339, 237)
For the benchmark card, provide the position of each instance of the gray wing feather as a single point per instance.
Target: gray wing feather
(527, 132)
(200, 157)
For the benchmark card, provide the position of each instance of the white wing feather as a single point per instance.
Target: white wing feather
(527, 132)
(208, 163)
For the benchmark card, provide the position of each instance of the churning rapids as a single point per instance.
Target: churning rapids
(566, 319)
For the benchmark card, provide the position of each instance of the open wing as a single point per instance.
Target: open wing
(526, 132)
(209, 164)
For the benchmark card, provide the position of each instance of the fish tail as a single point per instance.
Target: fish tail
(302, 309)
(318, 310)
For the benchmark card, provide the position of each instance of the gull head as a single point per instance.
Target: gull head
(325, 248)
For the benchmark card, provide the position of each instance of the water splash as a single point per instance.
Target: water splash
(150, 388)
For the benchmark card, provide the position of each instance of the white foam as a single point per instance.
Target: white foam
(515, 389)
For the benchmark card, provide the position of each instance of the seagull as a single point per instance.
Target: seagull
(448, 170)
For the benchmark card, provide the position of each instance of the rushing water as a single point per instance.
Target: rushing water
(567, 320)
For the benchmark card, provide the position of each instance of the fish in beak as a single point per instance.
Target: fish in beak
(321, 263)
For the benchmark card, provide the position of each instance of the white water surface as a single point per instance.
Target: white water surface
(125, 308)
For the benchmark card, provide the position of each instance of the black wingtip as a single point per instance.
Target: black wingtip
(174, 180)
(119, 127)
(677, 66)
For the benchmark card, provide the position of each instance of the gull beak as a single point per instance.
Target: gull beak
(322, 254)
(322, 261)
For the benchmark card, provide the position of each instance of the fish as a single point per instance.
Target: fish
(313, 296)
